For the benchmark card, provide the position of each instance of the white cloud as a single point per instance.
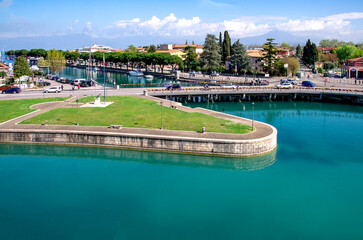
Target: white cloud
(171, 26)
(5, 3)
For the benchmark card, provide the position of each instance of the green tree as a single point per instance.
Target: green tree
(220, 41)
(239, 57)
(346, 52)
(21, 67)
(191, 57)
(152, 48)
(211, 57)
(226, 47)
(293, 65)
(285, 45)
(56, 60)
(310, 53)
(298, 51)
(270, 58)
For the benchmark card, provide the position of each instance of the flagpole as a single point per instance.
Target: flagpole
(104, 79)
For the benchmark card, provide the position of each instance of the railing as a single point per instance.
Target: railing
(266, 89)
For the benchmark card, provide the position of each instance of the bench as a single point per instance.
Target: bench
(115, 126)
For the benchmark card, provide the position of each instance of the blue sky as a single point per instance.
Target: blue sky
(175, 20)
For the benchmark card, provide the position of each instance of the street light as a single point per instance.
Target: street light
(253, 106)
(161, 115)
(77, 112)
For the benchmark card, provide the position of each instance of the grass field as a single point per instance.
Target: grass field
(137, 113)
(10, 109)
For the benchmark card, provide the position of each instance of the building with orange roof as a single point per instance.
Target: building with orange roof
(255, 55)
(354, 68)
(4, 67)
(173, 52)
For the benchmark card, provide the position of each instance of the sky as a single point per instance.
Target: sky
(73, 24)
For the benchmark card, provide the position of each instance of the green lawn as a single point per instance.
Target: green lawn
(10, 109)
(137, 113)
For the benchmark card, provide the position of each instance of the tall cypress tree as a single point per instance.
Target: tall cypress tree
(310, 53)
(220, 40)
(226, 48)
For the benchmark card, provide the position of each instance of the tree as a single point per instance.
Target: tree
(285, 45)
(152, 48)
(226, 47)
(310, 53)
(328, 65)
(21, 67)
(239, 57)
(298, 51)
(346, 52)
(220, 41)
(131, 49)
(191, 58)
(270, 58)
(211, 57)
(293, 65)
(56, 60)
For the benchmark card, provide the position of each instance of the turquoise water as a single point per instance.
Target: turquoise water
(310, 188)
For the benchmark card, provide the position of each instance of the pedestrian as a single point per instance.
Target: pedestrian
(72, 88)
(62, 87)
(78, 86)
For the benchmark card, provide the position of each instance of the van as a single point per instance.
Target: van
(78, 81)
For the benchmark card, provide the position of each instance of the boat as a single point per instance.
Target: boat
(136, 73)
(149, 77)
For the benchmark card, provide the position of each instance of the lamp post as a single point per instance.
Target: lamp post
(161, 114)
(253, 106)
(77, 112)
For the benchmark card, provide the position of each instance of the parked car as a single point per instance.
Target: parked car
(78, 81)
(85, 83)
(228, 86)
(45, 83)
(49, 76)
(308, 84)
(292, 81)
(284, 85)
(11, 90)
(55, 78)
(214, 74)
(174, 86)
(55, 89)
(4, 87)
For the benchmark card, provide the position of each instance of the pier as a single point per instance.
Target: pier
(268, 93)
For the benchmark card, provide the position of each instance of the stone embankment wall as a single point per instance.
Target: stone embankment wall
(251, 147)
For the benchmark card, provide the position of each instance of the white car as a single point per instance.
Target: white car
(229, 86)
(284, 85)
(56, 89)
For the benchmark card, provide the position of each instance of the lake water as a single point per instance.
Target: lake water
(113, 79)
(310, 188)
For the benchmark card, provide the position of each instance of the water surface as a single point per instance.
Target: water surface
(310, 188)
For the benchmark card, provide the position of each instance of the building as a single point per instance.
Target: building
(4, 67)
(96, 48)
(255, 55)
(198, 49)
(173, 52)
(354, 68)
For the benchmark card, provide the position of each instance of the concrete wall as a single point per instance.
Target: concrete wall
(161, 143)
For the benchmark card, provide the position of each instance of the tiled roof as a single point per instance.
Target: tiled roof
(254, 53)
(358, 59)
(168, 51)
(185, 45)
(3, 66)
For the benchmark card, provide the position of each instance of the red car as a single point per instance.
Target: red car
(11, 90)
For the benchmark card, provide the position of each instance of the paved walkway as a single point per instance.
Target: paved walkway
(262, 129)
